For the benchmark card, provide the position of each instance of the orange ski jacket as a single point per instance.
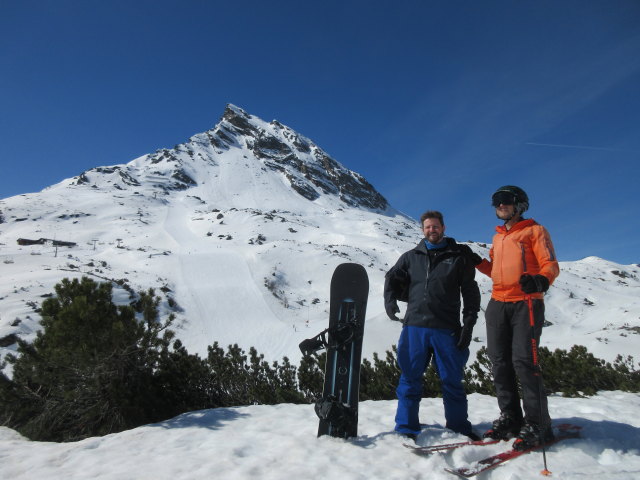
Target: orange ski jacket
(525, 248)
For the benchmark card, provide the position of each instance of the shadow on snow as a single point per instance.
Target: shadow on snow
(211, 419)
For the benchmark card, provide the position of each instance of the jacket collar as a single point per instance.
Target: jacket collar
(518, 226)
(451, 245)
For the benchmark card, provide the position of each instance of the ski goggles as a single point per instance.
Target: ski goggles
(503, 198)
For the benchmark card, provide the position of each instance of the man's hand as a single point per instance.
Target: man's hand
(534, 283)
(465, 338)
(392, 308)
(467, 332)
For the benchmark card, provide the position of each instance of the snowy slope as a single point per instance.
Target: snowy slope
(239, 230)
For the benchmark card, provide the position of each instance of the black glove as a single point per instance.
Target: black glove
(464, 340)
(534, 284)
(392, 308)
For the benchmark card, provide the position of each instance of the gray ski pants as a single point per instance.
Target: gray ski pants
(511, 353)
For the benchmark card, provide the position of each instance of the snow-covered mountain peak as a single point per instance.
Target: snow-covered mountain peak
(240, 227)
(245, 152)
(308, 169)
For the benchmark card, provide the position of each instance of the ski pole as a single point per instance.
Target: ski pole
(536, 365)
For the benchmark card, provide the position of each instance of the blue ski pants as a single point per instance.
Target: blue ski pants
(416, 348)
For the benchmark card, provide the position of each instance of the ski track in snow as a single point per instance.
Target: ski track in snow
(279, 442)
(203, 269)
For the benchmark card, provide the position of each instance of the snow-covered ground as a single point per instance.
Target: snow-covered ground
(279, 443)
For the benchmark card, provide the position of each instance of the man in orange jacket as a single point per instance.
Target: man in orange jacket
(522, 265)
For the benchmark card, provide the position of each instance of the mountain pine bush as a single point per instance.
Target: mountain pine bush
(573, 373)
(95, 368)
(250, 380)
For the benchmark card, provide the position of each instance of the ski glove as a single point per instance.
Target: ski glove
(534, 283)
(392, 308)
(464, 340)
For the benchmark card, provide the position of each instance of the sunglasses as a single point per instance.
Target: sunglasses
(503, 198)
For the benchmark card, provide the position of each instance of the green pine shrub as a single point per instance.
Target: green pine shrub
(578, 373)
(250, 380)
(311, 375)
(96, 368)
(572, 373)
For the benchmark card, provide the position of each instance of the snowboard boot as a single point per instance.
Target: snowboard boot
(411, 436)
(532, 435)
(504, 428)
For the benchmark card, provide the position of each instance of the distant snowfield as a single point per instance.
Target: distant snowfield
(279, 442)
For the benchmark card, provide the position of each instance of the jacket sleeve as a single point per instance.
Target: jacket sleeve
(486, 265)
(545, 254)
(396, 282)
(469, 291)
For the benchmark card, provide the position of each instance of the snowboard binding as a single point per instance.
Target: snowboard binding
(339, 415)
(339, 336)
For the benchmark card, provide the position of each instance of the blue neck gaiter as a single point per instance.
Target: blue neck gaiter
(435, 246)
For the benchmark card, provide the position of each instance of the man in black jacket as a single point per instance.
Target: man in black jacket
(431, 278)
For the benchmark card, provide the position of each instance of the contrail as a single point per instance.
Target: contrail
(583, 147)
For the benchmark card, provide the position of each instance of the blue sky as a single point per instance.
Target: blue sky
(436, 103)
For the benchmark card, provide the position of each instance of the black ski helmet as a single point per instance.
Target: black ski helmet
(521, 200)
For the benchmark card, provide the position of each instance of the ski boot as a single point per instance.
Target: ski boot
(504, 428)
(532, 435)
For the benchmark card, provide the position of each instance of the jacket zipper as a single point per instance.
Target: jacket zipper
(426, 279)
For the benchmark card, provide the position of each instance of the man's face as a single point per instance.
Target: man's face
(433, 230)
(504, 203)
(505, 212)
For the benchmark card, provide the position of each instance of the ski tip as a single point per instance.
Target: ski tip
(415, 448)
(420, 453)
(455, 472)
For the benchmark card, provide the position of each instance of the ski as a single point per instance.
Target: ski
(445, 447)
(564, 432)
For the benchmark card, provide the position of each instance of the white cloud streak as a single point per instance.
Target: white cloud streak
(582, 147)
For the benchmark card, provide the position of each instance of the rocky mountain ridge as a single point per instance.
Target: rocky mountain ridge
(308, 170)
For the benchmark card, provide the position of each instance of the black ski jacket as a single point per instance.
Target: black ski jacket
(431, 282)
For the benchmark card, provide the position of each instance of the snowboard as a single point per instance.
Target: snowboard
(338, 406)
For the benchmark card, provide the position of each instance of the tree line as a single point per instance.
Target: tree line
(97, 368)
